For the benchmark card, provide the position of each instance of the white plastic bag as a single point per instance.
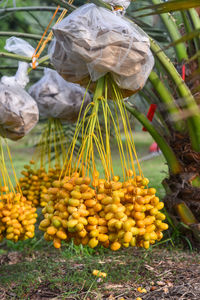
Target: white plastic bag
(20, 47)
(18, 110)
(57, 98)
(92, 41)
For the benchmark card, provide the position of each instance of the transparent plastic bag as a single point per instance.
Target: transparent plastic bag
(20, 47)
(92, 41)
(57, 98)
(18, 110)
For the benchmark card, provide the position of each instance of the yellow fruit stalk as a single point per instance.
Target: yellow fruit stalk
(50, 153)
(91, 210)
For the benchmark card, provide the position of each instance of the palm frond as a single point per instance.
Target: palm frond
(185, 38)
(176, 5)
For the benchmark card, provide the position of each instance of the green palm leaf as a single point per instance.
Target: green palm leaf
(185, 38)
(176, 5)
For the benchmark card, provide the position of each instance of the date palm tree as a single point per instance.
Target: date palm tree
(176, 128)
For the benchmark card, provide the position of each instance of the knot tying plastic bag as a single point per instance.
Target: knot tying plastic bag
(120, 3)
(92, 41)
(18, 110)
(57, 98)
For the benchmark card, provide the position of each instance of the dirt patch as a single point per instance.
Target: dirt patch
(164, 274)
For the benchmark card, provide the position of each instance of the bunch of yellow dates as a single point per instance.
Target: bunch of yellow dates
(17, 216)
(35, 183)
(113, 214)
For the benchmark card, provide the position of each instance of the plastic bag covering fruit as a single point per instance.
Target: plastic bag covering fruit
(92, 41)
(18, 110)
(57, 98)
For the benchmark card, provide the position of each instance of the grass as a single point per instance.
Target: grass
(70, 270)
(67, 271)
(67, 274)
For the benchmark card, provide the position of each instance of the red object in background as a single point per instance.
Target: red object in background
(183, 72)
(150, 114)
(154, 147)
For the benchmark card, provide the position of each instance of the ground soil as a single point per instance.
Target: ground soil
(165, 274)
